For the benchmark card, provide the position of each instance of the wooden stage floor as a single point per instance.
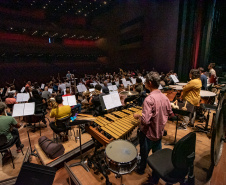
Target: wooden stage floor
(202, 160)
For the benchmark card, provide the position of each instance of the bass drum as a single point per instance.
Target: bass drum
(121, 156)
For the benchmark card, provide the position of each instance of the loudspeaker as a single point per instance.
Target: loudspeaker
(34, 174)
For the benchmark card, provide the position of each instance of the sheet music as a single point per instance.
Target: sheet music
(22, 90)
(108, 102)
(50, 90)
(115, 88)
(124, 83)
(174, 78)
(42, 86)
(18, 110)
(128, 83)
(29, 109)
(112, 100)
(69, 100)
(110, 88)
(84, 88)
(133, 80)
(160, 87)
(79, 87)
(94, 84)
(91, 90)
(72, 100)
(102, 85)
(22, 97)
(117, 83)
(65, 100)
(143, 80)
(109, 84)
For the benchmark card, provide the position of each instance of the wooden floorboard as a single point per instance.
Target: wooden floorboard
(202, 160)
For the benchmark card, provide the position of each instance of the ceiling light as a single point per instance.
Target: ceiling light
(105, 2)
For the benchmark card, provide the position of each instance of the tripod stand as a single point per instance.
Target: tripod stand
(82, 162)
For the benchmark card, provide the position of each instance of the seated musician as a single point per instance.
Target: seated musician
(68, 75)
(10, 101)
(46, 94)
(79, 106)
(40, 103)
(59, 112)
(203, 79)
(95, 100)
(139, 86)
(8, 127)
(191, 94)
(105, 89)
(28, 86)
(155, 113)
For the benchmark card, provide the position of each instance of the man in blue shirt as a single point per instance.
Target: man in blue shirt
(203, 79)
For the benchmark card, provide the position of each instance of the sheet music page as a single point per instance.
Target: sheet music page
(26, 97)
(110, 88)
(102, 85)
(22, 90)
(65, 100)
(18, 110)
(111, 92)
(133, 80)
(91, 90)
(50, 90)
(115, 88)
(117, 83)
(109, 104)
(174, 78)
(128, 83)
(109, 84)
(71, 100)
(84, 88)
(42, 86)
(29, 109)
(79, 87)
(125, 83)
(116, 100)
(160, 87)
(19, 97)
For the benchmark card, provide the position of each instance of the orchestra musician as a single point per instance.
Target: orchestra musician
(191, 94)
(8, 127)
(28, 86)
(59, 112)
(105, 89)
(95, 100)
(155, 112)
(203, 79)
(213, 75)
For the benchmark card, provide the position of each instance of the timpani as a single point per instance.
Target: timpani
(207, 97)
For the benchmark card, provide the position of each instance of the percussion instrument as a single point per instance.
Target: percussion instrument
(129, 93)
(121, 157)
(115, 125)
(182, 84)
(207, 97)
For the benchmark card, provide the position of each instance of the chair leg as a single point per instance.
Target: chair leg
(22, 151)
(40, 128)
(12, 158)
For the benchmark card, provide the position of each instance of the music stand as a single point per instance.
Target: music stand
(82, 162)
(190, 109)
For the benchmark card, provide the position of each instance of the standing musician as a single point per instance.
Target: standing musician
(191, 94)
(213, 75)
(155, 112)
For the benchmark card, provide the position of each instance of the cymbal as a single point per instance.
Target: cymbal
(129, 93)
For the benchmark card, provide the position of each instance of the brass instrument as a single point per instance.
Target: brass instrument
(89, 94)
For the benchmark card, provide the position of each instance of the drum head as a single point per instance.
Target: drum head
(206, 93)
(121, 151)
(218, 135)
